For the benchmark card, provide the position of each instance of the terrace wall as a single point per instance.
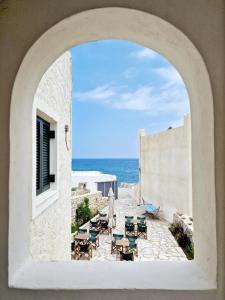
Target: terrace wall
(165, 160)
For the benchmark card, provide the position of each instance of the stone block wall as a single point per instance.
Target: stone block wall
(96, 202)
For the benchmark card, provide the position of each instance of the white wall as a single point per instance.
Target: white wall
(207, 118)
(50, 227)
(91, 178)
(165, 169)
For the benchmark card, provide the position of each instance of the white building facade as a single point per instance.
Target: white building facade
(50, 224)
(95, 181)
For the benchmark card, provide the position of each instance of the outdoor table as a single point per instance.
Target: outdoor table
(123, 243)
(81, 236)
(135, 222)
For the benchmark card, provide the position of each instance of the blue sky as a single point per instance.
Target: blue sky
(120, 87)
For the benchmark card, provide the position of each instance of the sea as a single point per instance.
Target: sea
(126, 169)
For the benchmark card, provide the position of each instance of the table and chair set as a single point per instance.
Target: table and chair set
(126, 246)
(85, 242)
(123, 245)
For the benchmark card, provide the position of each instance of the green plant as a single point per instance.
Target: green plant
(173, 228)
(74, 228)
(190, 251)
(83, 212)
(73, 189)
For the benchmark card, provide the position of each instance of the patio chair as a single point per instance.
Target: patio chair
(94, 238)
(94, 225)
(141, 219)
(116, 237)
(142, 230)
(72, 246)
(129, 219)
(133, 244)
(102, 214)
(83, 249)
(104, 227)
(129, 227)
(128, 256)
(82, 230)
(151, 210)
(114, 217)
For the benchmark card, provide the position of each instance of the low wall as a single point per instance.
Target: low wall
(96, 202)
(165, 161)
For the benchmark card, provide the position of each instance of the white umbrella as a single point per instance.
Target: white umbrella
(111, 199)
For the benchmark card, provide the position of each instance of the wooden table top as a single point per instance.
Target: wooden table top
(81, 236)
(123, 242)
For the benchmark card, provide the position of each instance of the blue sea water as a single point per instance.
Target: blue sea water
(126, 169)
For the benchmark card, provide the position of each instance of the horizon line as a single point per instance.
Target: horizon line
(105, 158)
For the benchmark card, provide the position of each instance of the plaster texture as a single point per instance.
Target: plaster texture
(52, 101)
(22, 23)
(165, 38)
(165, 170)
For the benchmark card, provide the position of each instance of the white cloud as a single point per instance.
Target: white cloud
(144, 54)
(101, 93)
(169, 97)
(148, 99)
(170, 74)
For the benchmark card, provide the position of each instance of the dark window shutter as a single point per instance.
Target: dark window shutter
(38, 156)
(45, 156)
(42, 156)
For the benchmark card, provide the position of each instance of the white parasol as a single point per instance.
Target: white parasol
(111, 199)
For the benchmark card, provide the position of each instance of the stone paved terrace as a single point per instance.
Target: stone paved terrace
(160, 244)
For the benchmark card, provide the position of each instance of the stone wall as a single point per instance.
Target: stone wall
(96, 202)
(165, 160)
(50, 230)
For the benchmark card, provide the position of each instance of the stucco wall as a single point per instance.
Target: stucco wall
(165, 170)
(50, 231)
(22, 23)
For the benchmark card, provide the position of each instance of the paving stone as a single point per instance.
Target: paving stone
(160, 244)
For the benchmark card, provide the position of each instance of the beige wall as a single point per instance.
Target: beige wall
(165, 170)
(50, 230)
(22, 22)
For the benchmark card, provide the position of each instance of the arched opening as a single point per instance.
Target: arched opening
(151, 32)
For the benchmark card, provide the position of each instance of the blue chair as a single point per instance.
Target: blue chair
(151, 210)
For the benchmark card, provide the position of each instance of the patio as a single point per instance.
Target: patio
(160, 244)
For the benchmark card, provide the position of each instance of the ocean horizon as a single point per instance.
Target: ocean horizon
(126, 169)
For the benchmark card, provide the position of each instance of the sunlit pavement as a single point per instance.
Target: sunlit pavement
(160, 244)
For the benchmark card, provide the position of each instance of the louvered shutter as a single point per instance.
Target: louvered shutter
(45, 156)
(38, 128)
(42, 156)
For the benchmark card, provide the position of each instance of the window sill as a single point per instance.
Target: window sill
(43, 201)
(96, 275)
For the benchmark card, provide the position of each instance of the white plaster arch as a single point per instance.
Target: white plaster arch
(157, 34)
